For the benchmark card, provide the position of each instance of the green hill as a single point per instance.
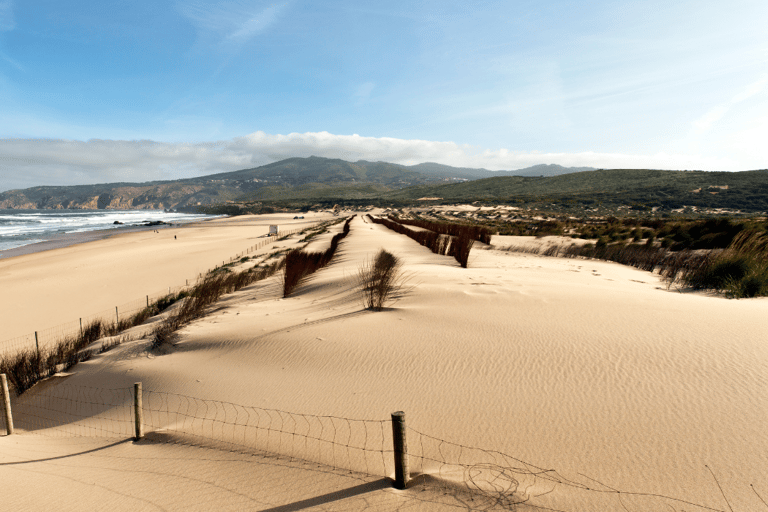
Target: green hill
(296, 181)
(746, 190)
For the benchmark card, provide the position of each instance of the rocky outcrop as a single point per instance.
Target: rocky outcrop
(113, 198)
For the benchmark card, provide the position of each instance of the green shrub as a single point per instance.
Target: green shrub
(741, 270)
(722, 272)
(753, 285)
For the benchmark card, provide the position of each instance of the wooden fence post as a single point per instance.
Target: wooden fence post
(37, 345)
(147, 300)
(7, 405)
(117, 317)
(401, 450)
(138, 413)
(81, 327)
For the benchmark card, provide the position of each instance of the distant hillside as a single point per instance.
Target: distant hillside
(315, 179)
(474, 174)
(292, 178)
(286, 178)
(747, 190)
(547, 170)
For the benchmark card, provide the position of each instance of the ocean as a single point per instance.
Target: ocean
(24, 227)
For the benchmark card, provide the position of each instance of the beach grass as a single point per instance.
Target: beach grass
(27, 367)
(739, 271)
(206, 292)
(380, 278)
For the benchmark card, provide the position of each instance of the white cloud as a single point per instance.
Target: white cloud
(234, 21)
(30, 162)
(256, 23)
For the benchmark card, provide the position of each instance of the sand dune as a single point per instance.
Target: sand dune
(590, 368)
(46, 289)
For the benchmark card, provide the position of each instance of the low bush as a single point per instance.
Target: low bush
(380, 279)
(740, 270)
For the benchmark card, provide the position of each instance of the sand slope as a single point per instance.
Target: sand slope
(46, 289)
(586, 367)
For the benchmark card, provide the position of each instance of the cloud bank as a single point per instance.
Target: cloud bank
(33, 162)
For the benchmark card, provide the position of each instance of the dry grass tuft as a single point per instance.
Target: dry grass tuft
(205, 293)
(380, 279)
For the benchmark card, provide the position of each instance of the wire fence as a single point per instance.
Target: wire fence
(50, 336)
(46, 338)
(441, 472)
(66, 410)
(335, 442)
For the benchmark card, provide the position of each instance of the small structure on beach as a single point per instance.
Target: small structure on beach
(273, 229)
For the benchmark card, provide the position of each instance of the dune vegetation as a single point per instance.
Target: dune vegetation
(300, 264)
(380, 279)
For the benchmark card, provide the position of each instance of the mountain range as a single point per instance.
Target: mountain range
(292, 178)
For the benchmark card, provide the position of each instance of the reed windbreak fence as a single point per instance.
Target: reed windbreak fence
(440, 471)
(440, 243)
(45, 338)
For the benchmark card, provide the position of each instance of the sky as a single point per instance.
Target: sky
(97, 92)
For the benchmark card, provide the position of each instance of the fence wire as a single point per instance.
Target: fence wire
(361, 446)
(64, 410)
(473, 478)
(49, 337)
(52, 335)
(448, 474)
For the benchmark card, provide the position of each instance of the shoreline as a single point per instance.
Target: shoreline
(53, 283)
(69, 239)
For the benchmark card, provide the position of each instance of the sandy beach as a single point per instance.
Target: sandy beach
(595, 372)
(95, 276)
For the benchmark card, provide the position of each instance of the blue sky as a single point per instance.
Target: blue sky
(117, 90)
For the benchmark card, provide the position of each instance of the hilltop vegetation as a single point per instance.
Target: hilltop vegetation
(640, 189)
(299, 182)
(310, 178)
